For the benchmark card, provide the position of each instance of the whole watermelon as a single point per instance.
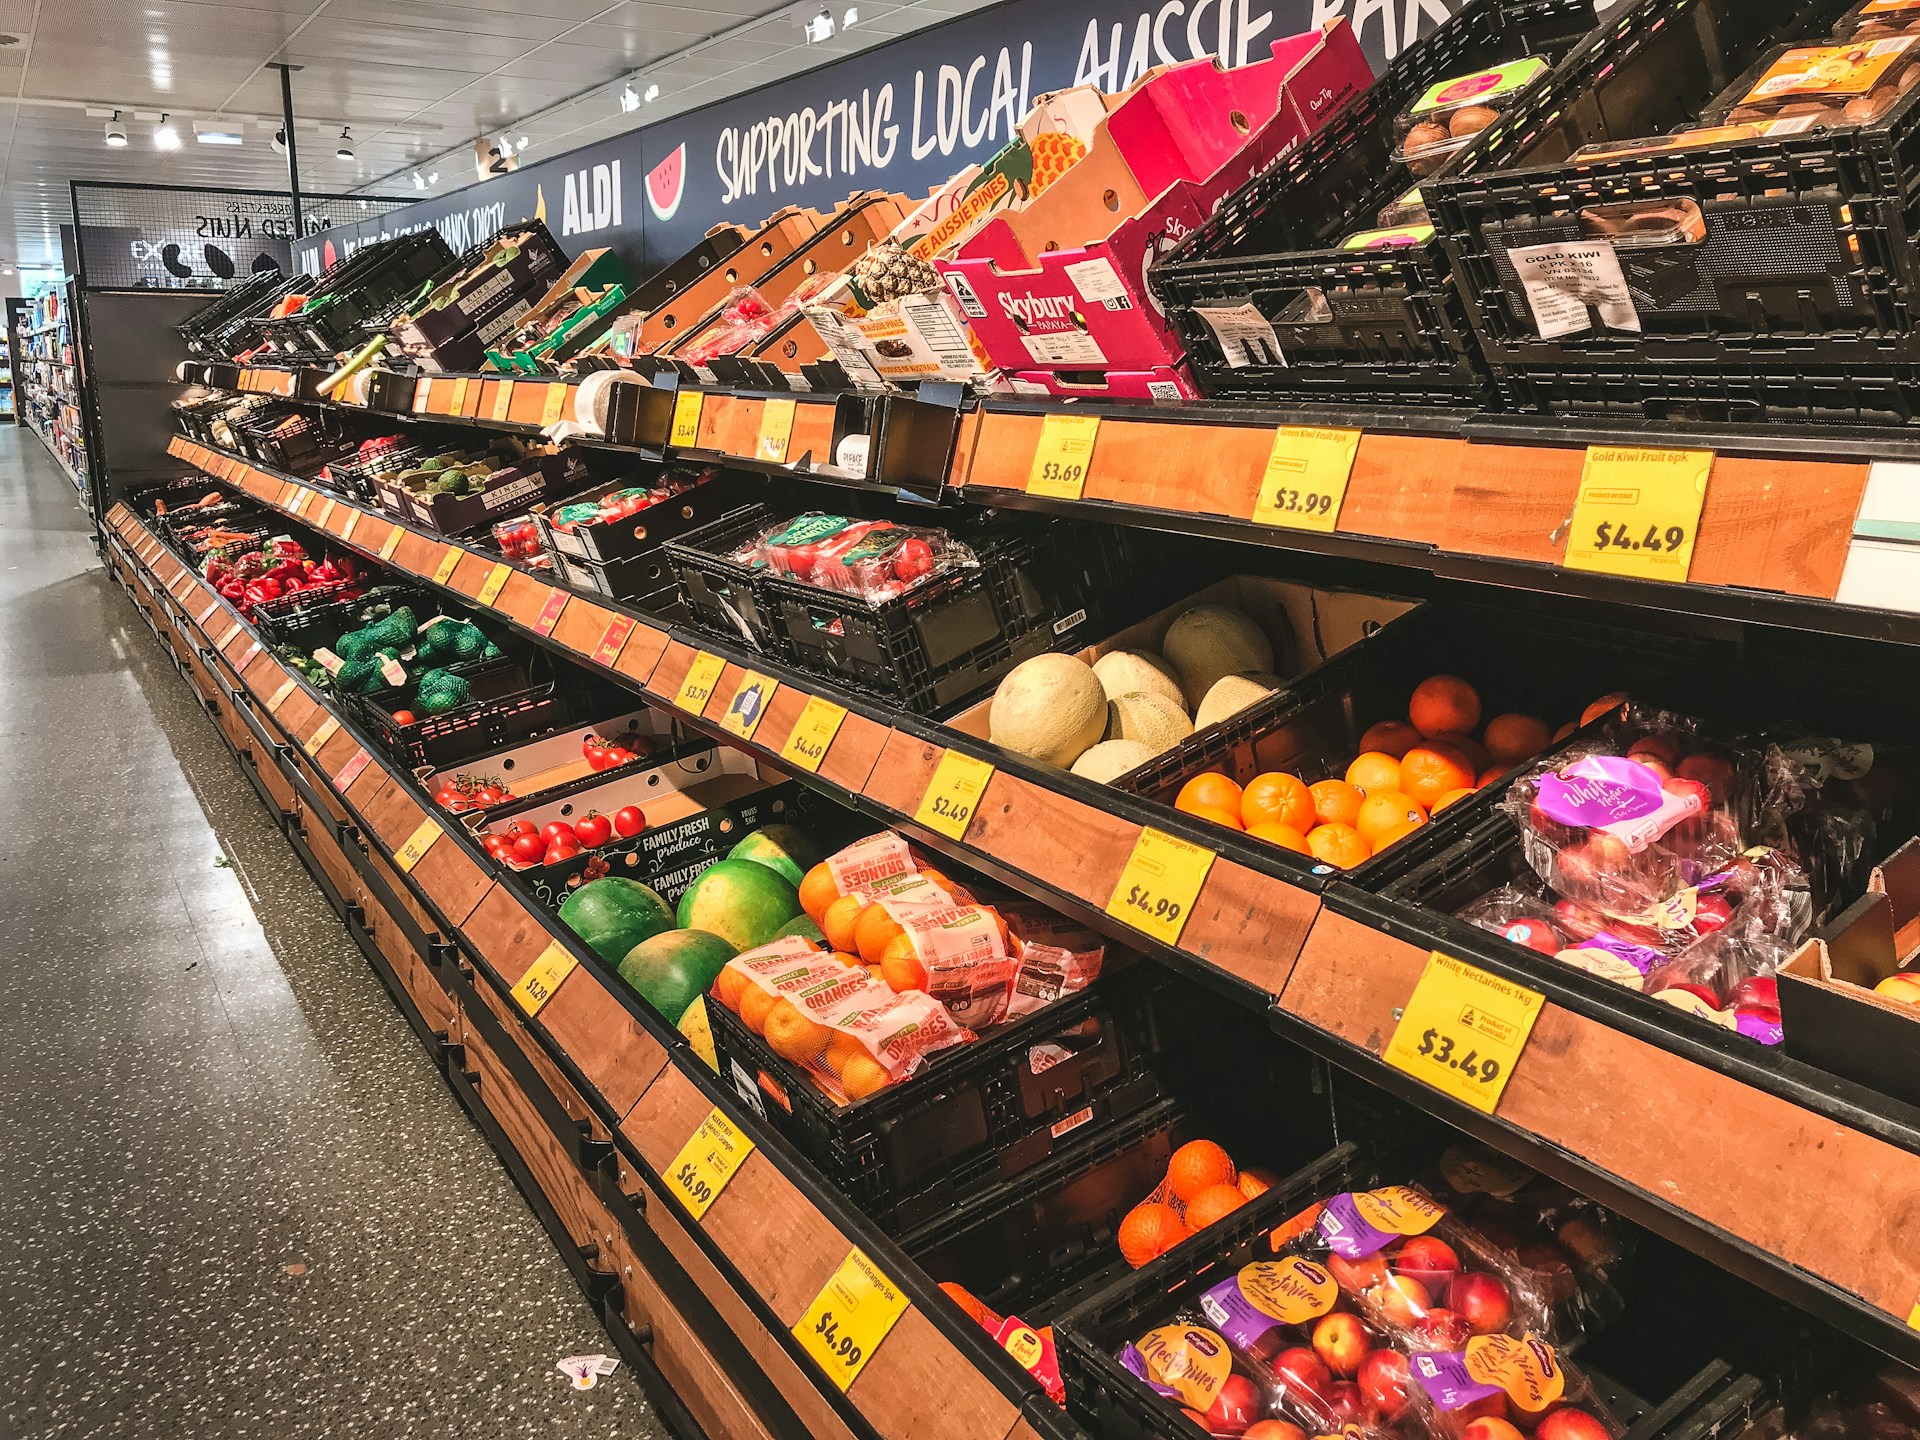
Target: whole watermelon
(785, 848)
(673, 969)
(742, 902)
(614, 915)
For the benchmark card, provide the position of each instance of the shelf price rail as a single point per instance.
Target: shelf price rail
(1802, 1190)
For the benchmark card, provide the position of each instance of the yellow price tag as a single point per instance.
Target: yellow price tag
(289, 493)
(392, 542)
(502, 400)
(686, 419)
(1463, 1030)
(1638, 511)
(702, 675)
(555, 406)
(953, 794)
(543, 977)
(706, 1163)
(449, 562)
(749, 704)
(1159, 885)
(812, 733)
(353, 520)
(302, 499)
(459, 404)
(496, 581)
(423, 395)
(418, 843)
(1064, 456)
(849, 1318)
(1913, 1316)
(325, 516)
(1306, 478)
(279, 697)
(776, 429)
(328, 728)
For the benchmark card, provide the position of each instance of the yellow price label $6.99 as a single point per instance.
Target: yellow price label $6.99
(706, 1163)
(1463, 1030)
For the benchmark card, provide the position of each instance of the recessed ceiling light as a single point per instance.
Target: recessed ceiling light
(165, 137)
(214, 134)
(116, 132)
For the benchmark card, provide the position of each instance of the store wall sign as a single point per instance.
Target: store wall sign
(902, 116)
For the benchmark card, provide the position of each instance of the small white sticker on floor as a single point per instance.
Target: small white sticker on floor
(1245, 336)
(585, 1370)
(1575, 287)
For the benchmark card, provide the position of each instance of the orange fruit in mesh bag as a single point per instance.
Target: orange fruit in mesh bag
(864, 1076)
(1197, 1165)
(728, 987)
(755, 1005)
(1149, 1231)
(1216, 1202)
(817, 891)
(839, 920)
(791, 1034)
(900, 968)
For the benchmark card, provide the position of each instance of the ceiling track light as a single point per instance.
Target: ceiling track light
(820, 27)
(851, 18)
(653, 92)
(165, 137)
(629, 102)
(116, 132)
(344, 151)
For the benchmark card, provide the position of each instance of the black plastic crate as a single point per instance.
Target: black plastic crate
(1782, 393)
(354, 476)
(976, 1114)
(319, 623)
(296, 441)
(723, 595)
(251, 295)
(1366, 326)
(365, 287)
(509, 703)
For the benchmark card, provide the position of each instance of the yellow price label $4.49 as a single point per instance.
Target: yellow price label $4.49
(1159, 885)
(807, 743)
(702, 675)
(1462, 1031)
(706, 1163)
(848, 1319)
(1306, 478)
(1063, 457)
(952, 796)
(1638, 511)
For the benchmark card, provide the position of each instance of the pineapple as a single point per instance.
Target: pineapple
(887, 271)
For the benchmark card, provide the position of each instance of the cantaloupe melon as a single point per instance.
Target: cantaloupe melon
(1110, 759)
(1233, 693)
(1153, 720)
(1135, 672)
(1050, 708)
(1210, 642)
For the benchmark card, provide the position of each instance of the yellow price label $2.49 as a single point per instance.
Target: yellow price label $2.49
(1063, 456)
(1463, 1030)
(1638, 511)
(952, 796)
(706, 1163)
(1160, 884)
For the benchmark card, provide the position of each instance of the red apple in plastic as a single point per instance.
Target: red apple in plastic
(1568, 1423)
(1430, 1260)
(1301, 1372)
(1442, 1329)
(1489, 1427)
(1348, 1404)
(1482, 1301)
(1711, 913)
(1384, 1381)
(1711, 771)
(1341, 1342)
(1236, 1406)
(1534, 934)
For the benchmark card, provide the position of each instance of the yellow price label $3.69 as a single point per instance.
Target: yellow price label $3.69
(1463, 1030)
(1064, 456)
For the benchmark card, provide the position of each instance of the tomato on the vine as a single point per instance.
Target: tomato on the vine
(529, 848)
(593, 829)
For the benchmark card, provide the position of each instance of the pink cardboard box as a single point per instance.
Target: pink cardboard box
(1163, 382)
(1187, 136)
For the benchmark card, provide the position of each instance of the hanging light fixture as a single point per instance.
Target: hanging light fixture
(629, 102)
(165, 137)
(116, 132)
(344, 151)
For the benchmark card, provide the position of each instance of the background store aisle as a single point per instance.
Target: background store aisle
(235, 1196)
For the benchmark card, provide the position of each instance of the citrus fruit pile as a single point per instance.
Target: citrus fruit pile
(1202, 1186)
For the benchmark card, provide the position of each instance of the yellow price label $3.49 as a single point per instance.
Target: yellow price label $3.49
(1463, 1030)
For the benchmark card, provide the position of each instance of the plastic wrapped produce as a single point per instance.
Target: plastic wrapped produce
(1854, 83)
(874, 559)
(1448, 115)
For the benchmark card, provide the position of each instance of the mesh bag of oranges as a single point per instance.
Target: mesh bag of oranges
(851, 1034)
(1202, 1185)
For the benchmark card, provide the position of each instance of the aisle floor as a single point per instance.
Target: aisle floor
(236, 1197)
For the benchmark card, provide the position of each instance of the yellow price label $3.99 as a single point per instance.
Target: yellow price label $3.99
(1306, 478)
(1463, 1030)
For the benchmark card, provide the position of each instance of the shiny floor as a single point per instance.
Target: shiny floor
(236, 1199)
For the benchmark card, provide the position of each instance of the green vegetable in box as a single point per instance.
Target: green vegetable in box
(439, 691)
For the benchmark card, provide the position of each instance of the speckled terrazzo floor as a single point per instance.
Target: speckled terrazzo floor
(235, 1197)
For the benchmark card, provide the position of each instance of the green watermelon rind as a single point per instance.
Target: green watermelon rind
(697, 955)
(615, 914)
(741, 901)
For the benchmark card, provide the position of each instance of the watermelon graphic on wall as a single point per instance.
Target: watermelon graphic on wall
(666, 184)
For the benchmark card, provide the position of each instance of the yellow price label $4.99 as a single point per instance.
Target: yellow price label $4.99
(706, 1163)
(1159, 885)
(849, 1318)
(1306, 478)
(1638, 511)
(952, 796)
(702, 675)
(1063, 457)
(1462, 1031)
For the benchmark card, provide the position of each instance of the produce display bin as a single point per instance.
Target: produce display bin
(723, 595)
(321, 624)
(366, 287)
(553, 767)
(512, 699)
(975, 1114)
(1268, 303)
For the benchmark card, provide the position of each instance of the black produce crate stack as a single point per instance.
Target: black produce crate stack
(366, 287)
(1354, 326)
(253, 295)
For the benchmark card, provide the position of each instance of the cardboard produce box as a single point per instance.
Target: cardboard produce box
(451, 328)
(593, 286)
(784, 232)
(508, 490)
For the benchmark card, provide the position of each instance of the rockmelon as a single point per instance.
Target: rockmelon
(1210, 642)
(1050, 708)
(1110, 759)
(1153, 720)
(1233, 693)
(1136, 672)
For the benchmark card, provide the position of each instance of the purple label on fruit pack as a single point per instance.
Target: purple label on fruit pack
(1638, 956)
(1767, 1032)
(1229, 1311)
(1599, 790)
(1346, 1234)
(1132, 1360)
(1444, 1376)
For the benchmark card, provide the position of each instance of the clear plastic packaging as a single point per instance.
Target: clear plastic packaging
(874, 559)
(1447, 118)
(1856, 83)
(1879, 20)
(1690, 139)
(744, 319)
(519, 539)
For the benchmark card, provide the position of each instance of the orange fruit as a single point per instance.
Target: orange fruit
(793, 1035)
(1339, 845)
(1335, 802)
(873, 932)
(817, 891)
(900, 968)
(969, 1302)
(1253, 1184)
(1512, 738)
(1488, 776)
(1469, 749)
(1605, 705)
(1564, 731)
(1209, 790)
(1373, 771)
(728, 987)
(1430, 771)
(755, 1005)
(1397, 834)
(1451, 796)
(841, 1048)
(1277, 799)
(840, 957)
(1149, 1231)
(864, 1076)
(1388, 810)
(1228, 818)
(1390, 737)
(838, 920)
(1444, 702)
(1216, 1202)
(1290, 837)
(1196, 1165)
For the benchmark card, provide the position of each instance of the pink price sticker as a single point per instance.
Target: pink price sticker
(352, 770)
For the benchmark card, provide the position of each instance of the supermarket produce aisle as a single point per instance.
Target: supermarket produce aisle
(237, 1200)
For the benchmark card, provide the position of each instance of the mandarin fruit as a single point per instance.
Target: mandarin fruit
(1430, 771)
(1209, 790)
(1488, 776)
(1387, 811)
(1149, 1231)
(1341, 846)
(1196, 1165)
(1277, 799)
(1373, 771)
(1451, 797)
(1605, 705)
(1565, 731)
(792, 1035)
(1335, 802)
(1288, 837)
(1391, 737)
(1512, 738)
(1216, 1202)
(1444, 702)
(838, 920)
(755, 1005)
(1397, 834)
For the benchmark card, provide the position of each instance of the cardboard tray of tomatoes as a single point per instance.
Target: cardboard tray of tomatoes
(557, 764)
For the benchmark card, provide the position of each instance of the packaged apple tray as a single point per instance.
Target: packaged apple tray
(976, 1114)
(1037, 585)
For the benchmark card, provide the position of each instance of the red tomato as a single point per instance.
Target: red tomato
(404, 717)
(562, 850)
(913, 559)
(595, 749)
(517, 828)
(618, 755)
(497, 846)
(593, 829)
(555, 830)
(629, 820)
(528, 848)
